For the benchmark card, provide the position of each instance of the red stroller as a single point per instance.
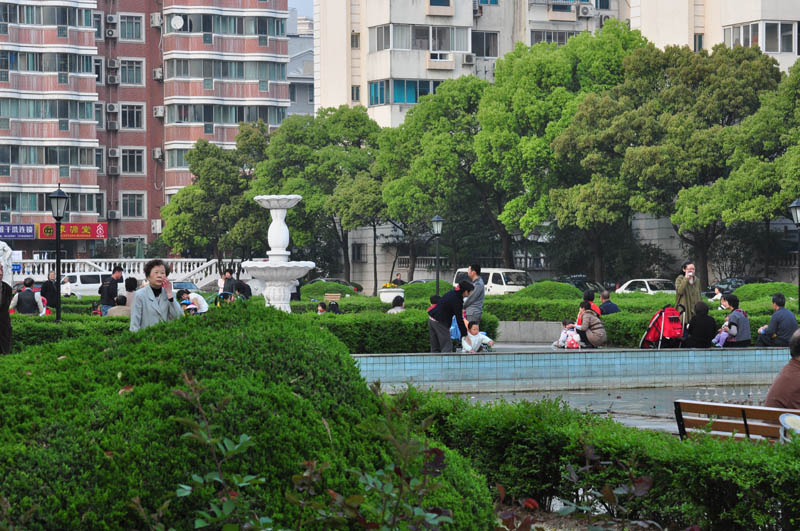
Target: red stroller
(665, 329)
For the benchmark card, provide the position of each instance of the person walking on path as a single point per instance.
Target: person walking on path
(27, 302)
(440, 316)
(5, 318)
(781, 325)
(49, 291)
(687, 291)
(108, 291)
(473, 305)
(155, 302)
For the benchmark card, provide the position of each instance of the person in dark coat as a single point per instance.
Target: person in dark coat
(5, 318)
(702, 328)
(49, 290)
(230, 283)
(243, 290)
(450, 305)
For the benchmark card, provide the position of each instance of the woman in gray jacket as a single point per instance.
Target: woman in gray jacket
(592, 330)
(155, 302)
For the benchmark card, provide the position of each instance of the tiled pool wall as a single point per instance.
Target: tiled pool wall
(573, 370)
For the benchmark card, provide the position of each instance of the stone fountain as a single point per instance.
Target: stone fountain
(278, 273)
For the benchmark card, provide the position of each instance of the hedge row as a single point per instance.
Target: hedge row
(752, 292)
(715, 484)
(31, 330)
(85, 423)
(373, 332)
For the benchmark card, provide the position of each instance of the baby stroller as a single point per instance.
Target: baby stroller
(665, 329)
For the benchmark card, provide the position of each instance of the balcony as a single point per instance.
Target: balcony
(222, 133)
(177, 178)
(51, 129)
(278, 91)
(48, 176)
(268, 5)
(49, 35)
(49, 82)
(441, 61)
(227, 44)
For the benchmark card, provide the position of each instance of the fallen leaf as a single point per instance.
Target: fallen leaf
(109, 454)
(61, 358)
(126, 389)
(28, 373)
(328, 429)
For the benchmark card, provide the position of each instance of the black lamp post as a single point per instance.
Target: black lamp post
(794, 208)
(58, 207)
(437, 222)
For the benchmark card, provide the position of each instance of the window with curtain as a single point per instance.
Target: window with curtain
(442, 39)
(420, 38)
(787, 37)
(402, 37)
(771, 43)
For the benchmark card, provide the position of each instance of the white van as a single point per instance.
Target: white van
(498, 281)
(87, 284)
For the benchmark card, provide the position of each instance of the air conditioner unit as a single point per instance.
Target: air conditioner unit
(113, 214)
(112, 64)
(112, 126)
(114, 153)
(155, 226)
(112, 19)
(112, 107)
(469, 58)
(112, 80)
(585, 11)
(158, 153)
(112, 33)
(158, 74)
(158, 111)
(155, 20)
(113, 171)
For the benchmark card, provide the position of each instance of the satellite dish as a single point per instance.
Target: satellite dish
(176, 22)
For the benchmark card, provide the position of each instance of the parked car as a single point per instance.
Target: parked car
(88, 284)
(730, 284)
(421, 280)
(188, 286)
(37, 286)
(498, 281)
(581, 282)
(355, 287)
(648, 285)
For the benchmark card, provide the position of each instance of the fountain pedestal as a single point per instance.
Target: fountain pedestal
(279, 273)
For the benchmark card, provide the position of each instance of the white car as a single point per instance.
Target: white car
(648, 285)
(498, 281)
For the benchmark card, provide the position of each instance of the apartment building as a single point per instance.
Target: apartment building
(770, 24)
(300, 73)
(105, 98)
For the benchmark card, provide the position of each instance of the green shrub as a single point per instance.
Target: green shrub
(32, 330)
(424, 290)
(346, 304)
(317, 290)
(549, 289)
(78, 447)
(764, 292)
(626, 330)
(374, 332)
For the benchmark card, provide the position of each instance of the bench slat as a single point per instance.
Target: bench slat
(733, 410)
(333, 296)
(756, 428)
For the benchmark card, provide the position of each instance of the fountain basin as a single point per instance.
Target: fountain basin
(278, 279)
(277, 201)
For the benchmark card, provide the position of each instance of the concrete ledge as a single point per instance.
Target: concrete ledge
(528, 331)
(548, 370)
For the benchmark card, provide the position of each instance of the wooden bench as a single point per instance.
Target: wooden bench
(332, 297)
(729, 420)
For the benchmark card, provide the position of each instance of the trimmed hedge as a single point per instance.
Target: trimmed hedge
(374, 332)
(31, 330)
(317, 290)
(549, 289)
(424, 290)
(715, 484)
(764, 292)
(77, 449)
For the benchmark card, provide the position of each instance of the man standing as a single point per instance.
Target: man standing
(473, 305)
(785, 390)
(781, 325)
(5, 318)
(49, 291)
(108, 291)
(398, 281)
(27, 302)
(606, 306)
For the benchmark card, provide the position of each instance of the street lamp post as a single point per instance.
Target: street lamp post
(794, 208)
(437, 222)
(58, 207)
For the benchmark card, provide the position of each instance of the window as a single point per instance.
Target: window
(377, 92)
(310, 89)
(558, 37)
(561, 7)
(293, 93)
(130, 27)
(787, 37)
(133, 246)
(86, 203)
(484, 44)
(754, 34)
(100, 69)
(420, 38)
(737, 36)
(355, 40)
(379, 38)
(402, 37)
(132, 205)
(442, 39)
(100, 114)
(133, 161)
(443, 3)
(771, 37)
(404, 91)
(130, 72)
(359, 253)
(97, 22)
(355, 93)
(698, 42)
(100, 160)
(602, 4)
(132, 116)
(176, 158)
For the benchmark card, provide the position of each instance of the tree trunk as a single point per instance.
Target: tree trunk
(701, 254)
(597, 257)
(766, 248)
(345, 240)
(375, 259)
(508, 250)
(412, 260)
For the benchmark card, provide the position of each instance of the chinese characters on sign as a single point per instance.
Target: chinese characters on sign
(73, 231)
(17, 232)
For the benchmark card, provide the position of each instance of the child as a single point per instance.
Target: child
(566, 332)
(321, 308)
(722, 335)
(474, 341)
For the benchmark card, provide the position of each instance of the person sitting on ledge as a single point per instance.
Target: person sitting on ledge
(781, 325)
(606, 306)
(702, 328)
(398, 305)
(475, 340)
(592, 330)
(785, 390)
